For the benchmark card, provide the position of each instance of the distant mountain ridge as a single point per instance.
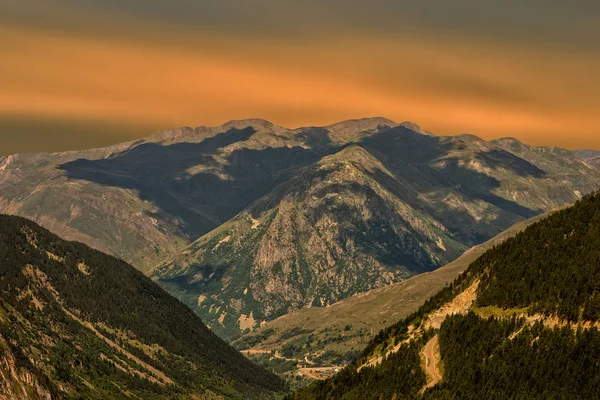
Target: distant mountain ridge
(76, 323)
(248, 221)
(171, 187)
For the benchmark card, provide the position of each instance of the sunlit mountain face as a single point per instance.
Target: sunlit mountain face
(88, 73)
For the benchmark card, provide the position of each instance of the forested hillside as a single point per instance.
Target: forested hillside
(77, 323)
(553, 269)
(521, 322)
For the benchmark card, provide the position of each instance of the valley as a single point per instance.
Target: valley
(299, 200)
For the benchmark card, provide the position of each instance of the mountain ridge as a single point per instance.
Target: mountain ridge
(590, 157)
(75, 322)
(26, 177)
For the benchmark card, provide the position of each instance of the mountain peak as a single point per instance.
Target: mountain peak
(340, 130)
(414, 127)
(508, 140)
(469, 137)
(351, 129)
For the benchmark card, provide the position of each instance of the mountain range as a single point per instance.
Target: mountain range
(248, 221)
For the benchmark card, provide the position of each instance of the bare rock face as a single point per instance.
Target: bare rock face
(18, 384)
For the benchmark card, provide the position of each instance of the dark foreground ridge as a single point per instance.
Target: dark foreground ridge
(77, 323)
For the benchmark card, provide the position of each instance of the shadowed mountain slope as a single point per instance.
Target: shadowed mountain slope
(147, 199)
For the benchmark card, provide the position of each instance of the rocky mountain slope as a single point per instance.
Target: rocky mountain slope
(76, 323)
(591, 157)
(521, 322)
(145, 200)
(391, 205)
(312, 342)
(328, 233)
(248, 221)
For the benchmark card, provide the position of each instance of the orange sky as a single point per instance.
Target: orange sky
(65, 87)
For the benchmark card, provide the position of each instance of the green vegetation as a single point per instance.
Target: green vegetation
(552, 268)
(247, 342)
(483, 361)
(87, 325)
(400, 375)
(277, 365)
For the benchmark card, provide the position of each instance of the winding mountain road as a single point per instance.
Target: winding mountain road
(431, 362)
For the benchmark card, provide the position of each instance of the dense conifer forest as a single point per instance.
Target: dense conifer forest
(483, 360)
(553, 267)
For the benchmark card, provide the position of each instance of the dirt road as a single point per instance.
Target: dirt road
(253, 351)
(431, 362)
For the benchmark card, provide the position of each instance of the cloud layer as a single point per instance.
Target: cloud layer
(501, 69)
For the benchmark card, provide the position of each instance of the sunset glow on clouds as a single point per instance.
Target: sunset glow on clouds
(133, 70)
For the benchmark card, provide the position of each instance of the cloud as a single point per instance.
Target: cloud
(203, 63)
(546, 20)
(32, 134)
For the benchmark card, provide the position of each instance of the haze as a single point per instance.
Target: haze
(77, 74)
